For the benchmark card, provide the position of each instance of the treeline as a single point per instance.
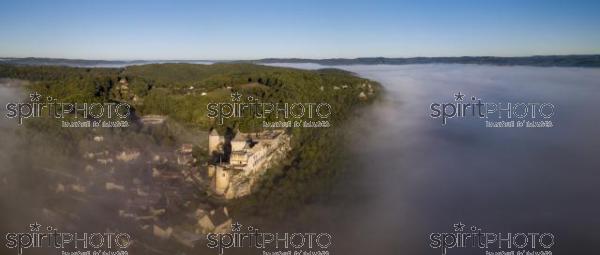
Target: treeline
(70, 84)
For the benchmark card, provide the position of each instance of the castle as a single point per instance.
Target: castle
(239, 161)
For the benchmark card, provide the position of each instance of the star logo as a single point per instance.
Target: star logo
(459, 226)
(35, 97)
(35, 226)
(236, 96)
(459, 96)
(236, 226)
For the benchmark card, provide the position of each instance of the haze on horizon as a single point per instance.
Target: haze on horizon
(132, 30)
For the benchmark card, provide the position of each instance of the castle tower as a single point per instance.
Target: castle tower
(238, 142)
(211, 169)
(221, 180)
(213, 141)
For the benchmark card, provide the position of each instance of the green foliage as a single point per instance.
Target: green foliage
(177, 89)
(67, 83)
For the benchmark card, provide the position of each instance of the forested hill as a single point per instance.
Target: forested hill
(182, 91)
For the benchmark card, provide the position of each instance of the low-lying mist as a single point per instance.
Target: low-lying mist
(85, 185)
(410, 176)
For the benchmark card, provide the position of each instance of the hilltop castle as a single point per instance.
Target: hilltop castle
(241, 159)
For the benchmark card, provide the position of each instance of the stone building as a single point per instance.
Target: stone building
(249, 157)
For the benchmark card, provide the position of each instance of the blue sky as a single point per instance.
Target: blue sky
(301, 28)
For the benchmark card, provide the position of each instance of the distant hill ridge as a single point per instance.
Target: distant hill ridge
(91, 62)
(549, 60)
(554, 60)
